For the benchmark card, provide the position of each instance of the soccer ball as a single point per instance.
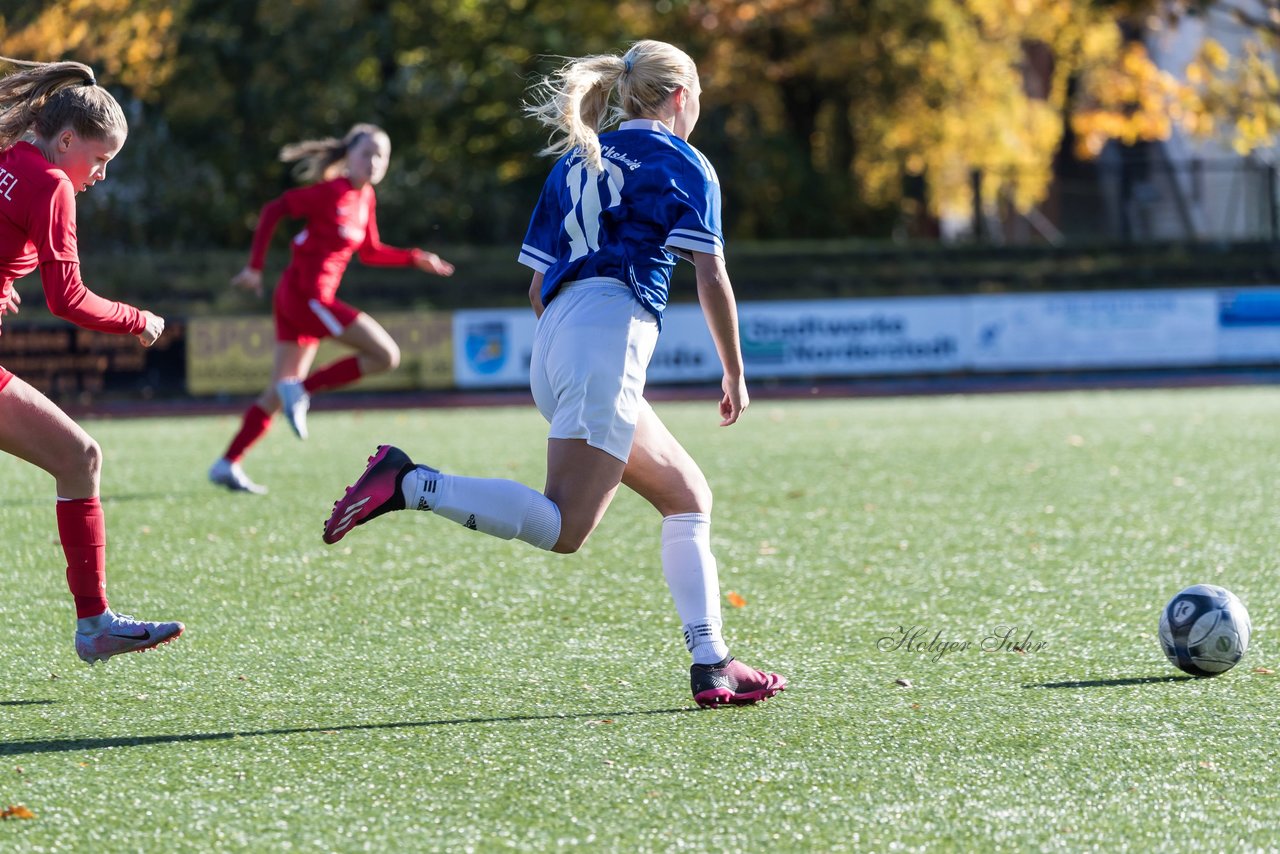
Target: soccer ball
(1204, 630)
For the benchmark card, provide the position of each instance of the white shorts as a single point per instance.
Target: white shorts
(591, 351)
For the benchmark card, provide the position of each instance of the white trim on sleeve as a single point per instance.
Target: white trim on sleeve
(695, 241)
(535, 259)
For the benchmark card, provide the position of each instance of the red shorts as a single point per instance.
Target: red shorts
(5, 376)
(306, 319)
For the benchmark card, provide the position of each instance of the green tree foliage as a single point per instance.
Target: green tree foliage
(445, 79)
(824, 118)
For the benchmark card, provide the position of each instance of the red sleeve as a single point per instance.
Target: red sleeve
(311, 200)
(69, 299)
(271, 214)
(53, 226)
(376, 253)
(299, 203)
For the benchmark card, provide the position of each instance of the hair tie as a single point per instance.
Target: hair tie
(90, 82)
(626, 65)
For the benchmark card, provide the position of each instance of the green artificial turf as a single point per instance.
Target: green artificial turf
(423, 687)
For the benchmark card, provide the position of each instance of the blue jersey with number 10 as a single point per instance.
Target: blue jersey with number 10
(656, 196)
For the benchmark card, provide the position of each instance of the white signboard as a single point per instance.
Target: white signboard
(491, 347)
(922, 335)
(685, 351)
(850, 337)
(779, 339)
(1107, 329)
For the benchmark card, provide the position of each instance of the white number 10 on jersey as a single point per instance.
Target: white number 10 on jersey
(582, 223)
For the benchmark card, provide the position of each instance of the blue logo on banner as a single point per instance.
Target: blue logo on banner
(761, 349)
(486, 346)
(1249, 308)
(989, 335)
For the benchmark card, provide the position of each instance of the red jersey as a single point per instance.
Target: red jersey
(340, 222)
(38, 229)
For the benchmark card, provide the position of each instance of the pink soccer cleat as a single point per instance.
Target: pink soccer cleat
(376, 492)
(732, 683)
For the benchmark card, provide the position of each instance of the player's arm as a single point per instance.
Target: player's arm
(715, 295)
(535, 295)
(69, 299)
(375, 253)
(52, 229)
(250, 278)
(538, 251)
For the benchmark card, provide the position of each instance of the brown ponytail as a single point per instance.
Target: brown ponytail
(318, 159)
(47, 97)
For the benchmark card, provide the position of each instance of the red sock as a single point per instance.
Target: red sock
(83, 533)
(336, 374)
(254, 426)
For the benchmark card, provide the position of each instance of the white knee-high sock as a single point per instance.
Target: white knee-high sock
(692, 575)
(501, 508)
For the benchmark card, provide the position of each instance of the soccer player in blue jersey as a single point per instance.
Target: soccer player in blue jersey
(616, 213)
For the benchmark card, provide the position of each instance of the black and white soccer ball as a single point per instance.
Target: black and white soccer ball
(1204, 630)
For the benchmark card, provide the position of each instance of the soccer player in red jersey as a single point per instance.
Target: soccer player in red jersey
(340, 222)
(75, 128)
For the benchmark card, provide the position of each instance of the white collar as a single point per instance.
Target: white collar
(646, 124)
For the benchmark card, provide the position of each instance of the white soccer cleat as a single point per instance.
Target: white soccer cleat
(119, 633)
(229, 474)
(295, 401)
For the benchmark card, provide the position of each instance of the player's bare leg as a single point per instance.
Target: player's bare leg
(582, 481)
(376, 350)
(32, 428)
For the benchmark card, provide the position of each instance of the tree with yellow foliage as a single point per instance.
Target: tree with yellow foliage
(1238, 96)
(132, 43)
(826, 117)
(874, 91)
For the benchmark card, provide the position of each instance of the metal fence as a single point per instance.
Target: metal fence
(1140, 198)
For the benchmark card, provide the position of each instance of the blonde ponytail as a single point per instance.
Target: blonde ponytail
(576, 102)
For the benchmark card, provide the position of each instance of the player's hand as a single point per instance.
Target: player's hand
(430, 262)
(155, 326)
(248, 279)
(10, 302)
(735, 400)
